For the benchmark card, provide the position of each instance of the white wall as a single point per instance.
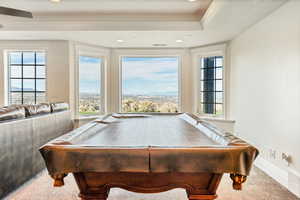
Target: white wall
(57, 67)
(265, 86)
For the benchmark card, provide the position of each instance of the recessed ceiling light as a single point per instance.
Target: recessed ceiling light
(120, 40)
(55, 1)
(191, 0)
(179, 41)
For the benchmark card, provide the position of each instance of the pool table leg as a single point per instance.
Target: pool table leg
(90, 193)
(238, 180)
(94, 196)
(209, 193)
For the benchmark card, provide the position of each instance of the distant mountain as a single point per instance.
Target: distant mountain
(167, 94)
(155, 94)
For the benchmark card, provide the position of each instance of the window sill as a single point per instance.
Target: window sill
(215, 118)
(91, 117)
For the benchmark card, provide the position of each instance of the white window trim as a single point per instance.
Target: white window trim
(152, 56)
(83, 50)
(197, 55)
(6, 70)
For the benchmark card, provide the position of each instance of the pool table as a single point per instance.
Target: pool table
(149, 153)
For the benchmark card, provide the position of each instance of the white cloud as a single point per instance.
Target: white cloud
(89, 71)
(150, 70)
(150, 77)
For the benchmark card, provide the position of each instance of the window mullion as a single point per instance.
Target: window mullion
(35, 78)
(215, 94)
(212, 92)
(22, 80)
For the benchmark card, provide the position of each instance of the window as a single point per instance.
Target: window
(27, 77)
(150, 84)
(90, 85)
(212, 93)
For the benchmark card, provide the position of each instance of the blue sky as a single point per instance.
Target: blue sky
(140, 75)
(28, 57)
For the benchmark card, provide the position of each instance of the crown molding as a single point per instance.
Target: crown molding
(114, 17)
(103, 26)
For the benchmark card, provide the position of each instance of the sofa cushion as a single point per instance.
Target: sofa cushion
(12, 112)
(38, 109)
(56, 107)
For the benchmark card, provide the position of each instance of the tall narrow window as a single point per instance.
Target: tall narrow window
(212, 85)
(27, 77)
(89, 85)
(150, 84)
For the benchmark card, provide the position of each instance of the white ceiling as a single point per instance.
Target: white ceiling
(160, 23)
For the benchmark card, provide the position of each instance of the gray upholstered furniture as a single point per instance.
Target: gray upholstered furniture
(23, 129)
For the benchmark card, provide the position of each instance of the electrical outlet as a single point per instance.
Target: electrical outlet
(286, 158)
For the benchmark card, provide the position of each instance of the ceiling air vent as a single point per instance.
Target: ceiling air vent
(159, 45)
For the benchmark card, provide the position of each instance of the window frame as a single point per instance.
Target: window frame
(215, 91)
(179, 57)
(198, 55)
(102, 82)
(8, 75)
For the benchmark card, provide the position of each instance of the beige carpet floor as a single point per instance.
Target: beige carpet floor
(258, 187)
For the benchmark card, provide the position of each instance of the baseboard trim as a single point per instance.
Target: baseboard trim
(289, 178)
